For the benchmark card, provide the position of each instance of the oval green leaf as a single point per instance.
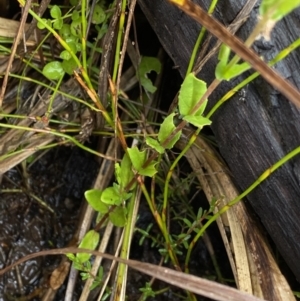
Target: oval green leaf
(93, 197)
(191, 91)
(53, 70)
(155, 144)
(118, 217)
(55, 12)
(166, 129)
(89, 241)
(69, 65)
(98, 15)
(111, 196)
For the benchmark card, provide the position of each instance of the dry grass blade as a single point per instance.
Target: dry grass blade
(235, 245)
(14, 49)
(104, 177)
(33, 144)
(187, 282)
(14, 138)
(9, 28)
(266, 279)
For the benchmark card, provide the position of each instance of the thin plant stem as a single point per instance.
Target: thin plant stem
(54, 94)
(119, 40)
(83, 33)
(258, 181)
(161, 225)
(199, 39)
(122, 268)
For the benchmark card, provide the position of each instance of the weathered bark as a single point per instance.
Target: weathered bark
(255, 130)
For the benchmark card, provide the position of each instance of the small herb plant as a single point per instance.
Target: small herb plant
(72, 34)
(136, 162)
(114, 202)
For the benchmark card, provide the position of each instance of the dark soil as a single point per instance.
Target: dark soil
(59, 179)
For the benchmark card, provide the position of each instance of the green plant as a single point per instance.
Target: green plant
(115, 202)
(191, 107)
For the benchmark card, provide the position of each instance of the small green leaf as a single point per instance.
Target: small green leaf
(155, 144)
(147, 65)
(223, 72)
(147, 84)
(41, 25)
(72, 42)
(93, 197)
(76, 28)
(98, 15)
(84, 275)
(76, 15)
(65, 31)
(187, 222)
(55, 12)
(166, 129)
(199, 213)
(137, 157)
(71, 256)
(58, 23)
(238, 69)
(65, 55)
(53, 70)
(111, 196)
(69, 66)
(126, 196)
(118, 216)
(190, 93)
(89, 241)
(74, 2)
(149, 171)
(277, 9)
(94, 285)
(224, 53)
(124, 174)
(197, 121)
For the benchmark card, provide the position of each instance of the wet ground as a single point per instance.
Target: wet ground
(26, 226)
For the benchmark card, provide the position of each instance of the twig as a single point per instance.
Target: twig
(14, 49)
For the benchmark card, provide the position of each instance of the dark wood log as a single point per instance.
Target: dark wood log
(253, 130)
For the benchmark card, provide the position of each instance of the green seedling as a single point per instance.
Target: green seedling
(190, 93)
(112, 199)
(166, 129)
(147, 291)
(73, 35)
